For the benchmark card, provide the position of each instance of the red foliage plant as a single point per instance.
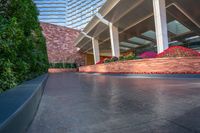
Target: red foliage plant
(100, 62)
(102, 59)
(178, 51)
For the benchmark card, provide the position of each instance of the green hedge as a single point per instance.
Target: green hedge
(62, 65)
(22, 46)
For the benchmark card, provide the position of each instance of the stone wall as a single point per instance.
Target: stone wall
(60, 44)
(148, 66)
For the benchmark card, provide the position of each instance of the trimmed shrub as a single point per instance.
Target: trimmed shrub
(62, 65)
(113, 59)
(23, 51)
(128, 53)
(122, 58)
(130, 57)
(178, 51)
(106, 60)
(102, 59)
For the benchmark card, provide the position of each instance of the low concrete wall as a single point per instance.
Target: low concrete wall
(180, 65)
(59, 70)
(19, 105)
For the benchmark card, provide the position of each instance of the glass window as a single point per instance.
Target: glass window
(139, 40)
(177, 28)
(124, 48)
(150, 34)
(128, 44)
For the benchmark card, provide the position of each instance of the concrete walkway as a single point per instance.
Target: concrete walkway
(85, 103)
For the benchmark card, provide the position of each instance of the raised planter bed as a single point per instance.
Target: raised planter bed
(178, 65)
(19, 105)
(60, 70)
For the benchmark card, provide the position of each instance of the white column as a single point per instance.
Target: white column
(160, 25)
(95, 45)
(114, 37)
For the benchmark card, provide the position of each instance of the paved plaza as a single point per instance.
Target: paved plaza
(87, 103)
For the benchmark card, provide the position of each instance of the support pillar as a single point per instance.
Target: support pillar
(114, 37)
(95, 45)
(160, 25)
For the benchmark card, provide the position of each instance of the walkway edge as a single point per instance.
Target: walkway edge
(182, 76)
(19, 105)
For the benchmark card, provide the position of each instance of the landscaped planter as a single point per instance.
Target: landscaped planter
(59, 70)
(175, 65)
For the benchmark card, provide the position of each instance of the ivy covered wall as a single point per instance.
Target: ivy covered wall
(22, 45)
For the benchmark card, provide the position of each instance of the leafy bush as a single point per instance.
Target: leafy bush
(62, 65)
(127, 57)
(178, 51)
(107, 60)
(130, 57)
(137, 57)
(128, 53)
(102, 58)
(122, 58)
(23, 51)
(113, 59)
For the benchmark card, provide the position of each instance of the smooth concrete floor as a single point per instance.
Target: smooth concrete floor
(86, 103)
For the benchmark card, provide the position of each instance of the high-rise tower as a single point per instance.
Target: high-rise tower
(80, 12)
(71, 13)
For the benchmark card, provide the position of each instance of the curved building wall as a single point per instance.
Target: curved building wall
(60, 44)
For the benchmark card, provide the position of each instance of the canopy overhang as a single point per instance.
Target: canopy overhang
(135, 18)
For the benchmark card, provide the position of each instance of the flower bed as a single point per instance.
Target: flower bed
(178, 51)
(174, 51)
(179, 65)
(148, 54)
(174, 60)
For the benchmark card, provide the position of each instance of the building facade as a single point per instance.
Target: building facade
(80, 12)
(141, 25)
(61, 21)
(71, 13)
(52, 11)
(121, 26)
(60, 44)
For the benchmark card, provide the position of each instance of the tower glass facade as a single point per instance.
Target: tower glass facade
(71, 13)
(52, 11)
(80, 12)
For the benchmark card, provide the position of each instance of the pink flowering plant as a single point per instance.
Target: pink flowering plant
(148, 54)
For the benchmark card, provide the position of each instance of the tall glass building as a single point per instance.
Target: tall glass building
(71, 13)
